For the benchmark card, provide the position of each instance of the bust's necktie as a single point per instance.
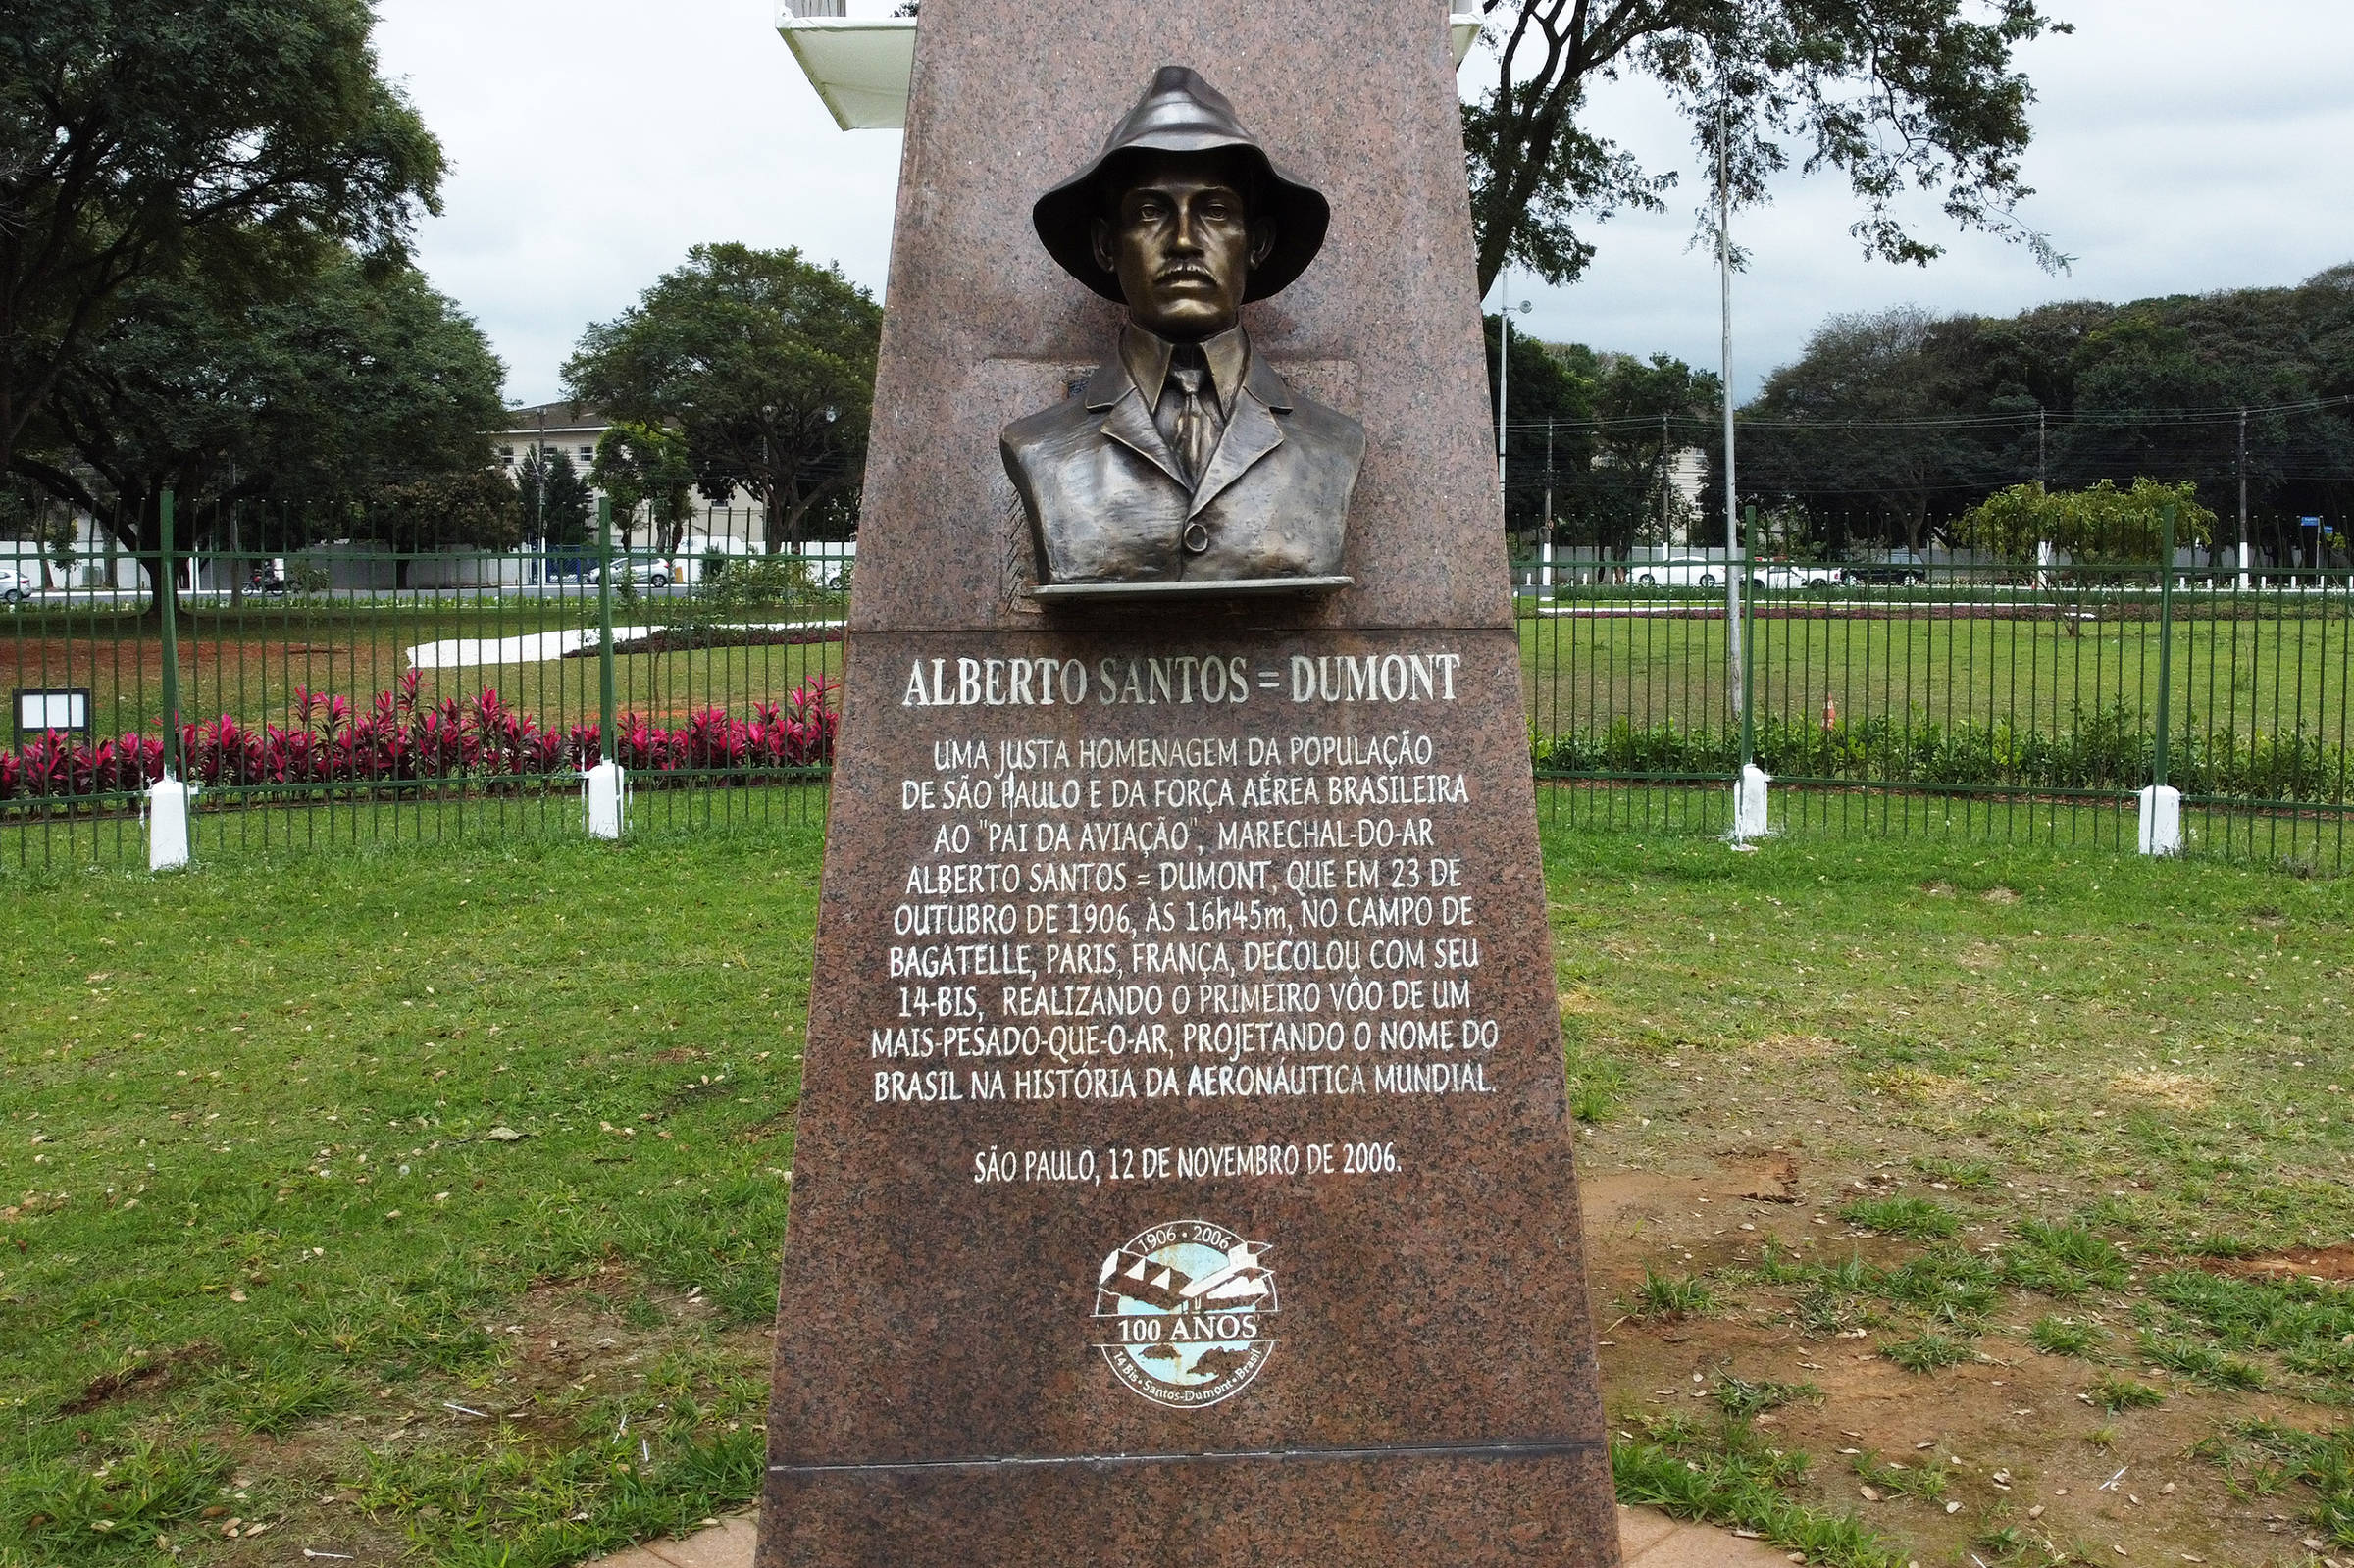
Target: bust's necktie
(1195, 439)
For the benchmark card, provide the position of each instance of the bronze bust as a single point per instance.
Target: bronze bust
(1187, 463)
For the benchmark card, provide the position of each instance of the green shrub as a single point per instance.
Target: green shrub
(757, 583)
(2109, 747)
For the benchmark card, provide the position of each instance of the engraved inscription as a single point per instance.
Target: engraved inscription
(1268, 908)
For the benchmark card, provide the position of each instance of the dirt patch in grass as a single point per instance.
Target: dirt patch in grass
(2019, 1441)
(1979, 956)
(146, 1367)
(2333, 1263)
(2179, 1089)
(1781, 1050)
(1759, 1120)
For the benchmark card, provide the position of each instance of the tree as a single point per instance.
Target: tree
(1897, 423)
(1551, 387)
(1649, 412)
(471, 508)
(284, 418)
(2099, 530)
(1853, 432)
(645, 465)
(1899, 95)
(2101, 526)
(763, 362)
(35, 518)
(554, 501)
(151, 139)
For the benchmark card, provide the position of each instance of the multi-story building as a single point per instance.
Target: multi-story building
(574, 429)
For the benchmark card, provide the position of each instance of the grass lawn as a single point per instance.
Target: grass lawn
(2253, 675)
(421, 1201)
(420, 1197)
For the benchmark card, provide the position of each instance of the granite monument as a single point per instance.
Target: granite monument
(1183, 1168)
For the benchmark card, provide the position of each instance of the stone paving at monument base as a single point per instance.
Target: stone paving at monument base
(1648, 1539)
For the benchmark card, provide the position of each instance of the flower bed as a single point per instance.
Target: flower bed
(400, 740)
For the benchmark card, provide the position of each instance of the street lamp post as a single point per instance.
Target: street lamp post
(1503, 369)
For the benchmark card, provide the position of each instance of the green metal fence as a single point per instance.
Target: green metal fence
(1973, 700)
(342, 694)
(350, 694)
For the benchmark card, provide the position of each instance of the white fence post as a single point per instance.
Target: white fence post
(1750, 792)
(2161, 820)
(607, 790)
(168, 823)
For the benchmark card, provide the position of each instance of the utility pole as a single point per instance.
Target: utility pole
(1733, 517)
(1549, 478)
(2243, 500)
(2042, 469)
(1504, 373)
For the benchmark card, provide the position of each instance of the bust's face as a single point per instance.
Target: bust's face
(1181, 240)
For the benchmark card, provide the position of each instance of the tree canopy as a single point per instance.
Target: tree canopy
(294, 414)
(2096, 526)
(1901, 96)
(645, 466)
(1597, 433)
(763, 362)
(554, 499)
(152, 140)
(1893, 425)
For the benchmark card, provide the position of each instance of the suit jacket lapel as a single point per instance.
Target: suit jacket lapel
(1250, 436)
(1128, 421)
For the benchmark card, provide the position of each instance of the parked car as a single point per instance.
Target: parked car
(1782, 577)
(644, 574)
(16, 588)
(1683, 572)
(1903, 569)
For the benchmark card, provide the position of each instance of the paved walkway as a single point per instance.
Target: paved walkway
(1648, 1539)
(541, 647)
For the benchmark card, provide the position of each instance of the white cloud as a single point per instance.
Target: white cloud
(2181, 147)
(593, 142)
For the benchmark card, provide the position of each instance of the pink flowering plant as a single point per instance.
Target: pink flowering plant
(401, 738)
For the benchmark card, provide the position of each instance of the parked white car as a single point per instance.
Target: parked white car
(644, 574)
(1782, 577)
(16, 588)
(1683, 572)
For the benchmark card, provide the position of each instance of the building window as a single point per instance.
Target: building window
(587, 454)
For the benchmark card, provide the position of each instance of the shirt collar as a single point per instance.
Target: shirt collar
(1146, 354)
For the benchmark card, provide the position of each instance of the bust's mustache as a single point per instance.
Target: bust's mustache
(1184, 271)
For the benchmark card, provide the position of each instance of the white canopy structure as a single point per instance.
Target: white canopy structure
(860, 66)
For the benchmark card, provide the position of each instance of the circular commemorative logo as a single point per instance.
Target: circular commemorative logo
(1182, 1313)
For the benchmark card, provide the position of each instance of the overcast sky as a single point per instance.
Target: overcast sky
(2180, 146)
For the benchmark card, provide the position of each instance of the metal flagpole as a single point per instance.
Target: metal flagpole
(1504, 372)
(1733, 517)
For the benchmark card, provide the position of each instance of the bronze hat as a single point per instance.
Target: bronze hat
(1181, 113)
